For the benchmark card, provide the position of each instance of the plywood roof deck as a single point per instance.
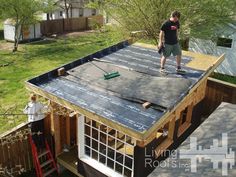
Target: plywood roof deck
(118, 102)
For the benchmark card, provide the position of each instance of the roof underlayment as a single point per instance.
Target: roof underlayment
(208, 134)
(119, 99)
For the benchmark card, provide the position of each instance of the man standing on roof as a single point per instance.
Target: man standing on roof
(35, 111)
(168, 41)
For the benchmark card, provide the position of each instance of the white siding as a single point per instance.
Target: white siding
(9, 32)
(228, 66)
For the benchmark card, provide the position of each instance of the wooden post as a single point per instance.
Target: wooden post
(68, 130)
(171, 128)
(57, 136)
(55, 129)
(189, 113)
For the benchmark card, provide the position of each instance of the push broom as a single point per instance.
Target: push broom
(107, 75)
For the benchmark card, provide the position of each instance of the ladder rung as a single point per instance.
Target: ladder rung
(49, 172)
(42, 154)
(46, 163)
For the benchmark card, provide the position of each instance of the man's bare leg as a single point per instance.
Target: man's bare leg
(178, 61)
(163, 61)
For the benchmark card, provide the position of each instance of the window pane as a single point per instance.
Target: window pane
(95, 124)
(95, 134)
(94, 155)
(129, 150)
(103, 128)
(111, 141)
(111, 153)
(127, 172)
(120, 136)
(119, 157)
(128, 162)
(95, 145)
(111, 132)
(129, 140)
(118, 168)
(87, 151)
(87, 121)
(87, 130)
(102, 159)
(110, 163)
(119, 144)
(103, 149)
(103, 137)
(87, 141)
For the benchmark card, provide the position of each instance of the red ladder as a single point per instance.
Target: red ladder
(44, 162)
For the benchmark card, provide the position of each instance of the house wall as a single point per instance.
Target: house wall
(75, 12)
(209, 47)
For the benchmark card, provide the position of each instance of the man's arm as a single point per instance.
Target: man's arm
(161, 38)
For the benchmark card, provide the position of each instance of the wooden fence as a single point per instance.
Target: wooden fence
(15, 151)
(217, 91)
(68, 25)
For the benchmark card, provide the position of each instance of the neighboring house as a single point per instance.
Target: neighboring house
(226, 43)
(30, 32)
(76, 9)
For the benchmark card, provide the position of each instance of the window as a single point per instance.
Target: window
(109, 147)
(81, 12)
(224, 42)
(61, 13)
(93, 11)
(183, 116)
(185, 119)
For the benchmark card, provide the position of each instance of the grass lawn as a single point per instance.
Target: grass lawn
(226, 78)
(37, 58)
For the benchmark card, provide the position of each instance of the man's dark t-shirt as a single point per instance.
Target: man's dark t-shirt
(170, 30)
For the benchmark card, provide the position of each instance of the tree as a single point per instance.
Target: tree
(67, 5)
(23, 13)
(201, 17)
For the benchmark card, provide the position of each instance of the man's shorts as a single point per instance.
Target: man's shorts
(172, 49)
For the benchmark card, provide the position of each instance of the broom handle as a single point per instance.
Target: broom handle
(99, 67)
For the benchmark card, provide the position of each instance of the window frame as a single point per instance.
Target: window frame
(96, 163)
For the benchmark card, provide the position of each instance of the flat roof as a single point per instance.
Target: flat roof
(208, 134)
(118, 101)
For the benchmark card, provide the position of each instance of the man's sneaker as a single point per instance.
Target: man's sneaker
(180, 71)
(163, 70)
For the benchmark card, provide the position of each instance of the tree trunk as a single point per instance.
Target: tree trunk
(17, 37)
(66, 9)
